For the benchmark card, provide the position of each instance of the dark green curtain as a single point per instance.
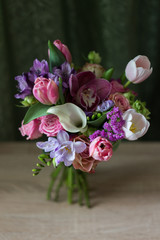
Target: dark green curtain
(118, 30)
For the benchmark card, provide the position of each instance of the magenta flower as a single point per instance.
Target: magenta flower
(88, 91)
(64, 49)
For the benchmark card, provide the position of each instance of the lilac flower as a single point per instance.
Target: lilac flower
(64, 72)
(105, 105)
(61, 148)
(24, 86)
(39, 69)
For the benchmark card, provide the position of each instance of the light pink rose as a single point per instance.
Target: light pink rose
(100, 149)
(82, 160)
(120, 101)
(45, 91)
(31, 129)
(117, 87)
(138, 69)
(50, 125)
(64, 49)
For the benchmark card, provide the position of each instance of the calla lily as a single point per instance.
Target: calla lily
(71, 117)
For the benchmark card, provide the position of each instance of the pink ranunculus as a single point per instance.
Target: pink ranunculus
(138, 69)
(45, 91)
(120, 101)
(117, 87)
(50, 125)
(64, 49)
(82, 160)
(31, 129)
(100, 149)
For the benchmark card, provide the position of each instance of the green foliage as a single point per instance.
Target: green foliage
(56, 58)
(45, 159)
(140, 107)
(94, 57)
(108, 74)
(35, 111)
(98, 122)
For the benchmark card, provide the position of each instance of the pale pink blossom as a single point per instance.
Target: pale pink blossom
(50, 125)
(138, 69)
(31, 129)
(64, 49)
(120, 101)
(45, 91)
(100, 149)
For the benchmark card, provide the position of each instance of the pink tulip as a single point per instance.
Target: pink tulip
(31, 129)
(138, 69)
(45, 91)
(64, 49)
(100, 149)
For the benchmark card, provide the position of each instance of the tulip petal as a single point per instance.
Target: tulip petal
(142, 61)
(142, 75)
(131, 71)
(72, 118)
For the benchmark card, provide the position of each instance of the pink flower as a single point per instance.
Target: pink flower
(31, 129)
(82, 160)
(45, 91)
(117, 87)
(120, 101)
(50, 125)
(138, 69)
(64, 49)
(100, 149)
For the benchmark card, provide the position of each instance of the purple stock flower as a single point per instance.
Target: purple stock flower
(63, 71)
(105, 105)
(25, 86)
(62, 149)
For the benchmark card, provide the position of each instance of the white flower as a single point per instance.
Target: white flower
(136, 125)
(72, 118)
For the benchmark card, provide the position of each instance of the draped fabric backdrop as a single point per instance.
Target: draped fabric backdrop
(118, 30)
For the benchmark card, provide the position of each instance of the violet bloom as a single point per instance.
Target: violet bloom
(64, 71)
(25, 86)
(88, 91)
(39, 69)
(62, 149)
(105, 105)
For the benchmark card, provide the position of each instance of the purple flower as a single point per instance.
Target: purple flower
(39, 69)
(105, 105)
(88, 91)
(64, 71)
(25, 86)
(62, 149)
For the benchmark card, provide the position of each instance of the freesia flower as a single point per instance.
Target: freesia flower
(64, 49)
(87, 91)
(71, 117)
(62, 149)
(100, 149)
(136, 125)
(45, 91)
(25, 86)
(105, 105)
(31, 129)
(138, 69)
(50, 125)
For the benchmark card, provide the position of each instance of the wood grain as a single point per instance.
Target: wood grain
(125, 197)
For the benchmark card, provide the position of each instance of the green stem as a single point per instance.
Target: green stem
(62, 179)
(70, 184)
(62, 99)
(127, 83)
(53, 178)
(79, 186)
(85, 189)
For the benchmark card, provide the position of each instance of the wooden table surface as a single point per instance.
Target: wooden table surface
(125, 197)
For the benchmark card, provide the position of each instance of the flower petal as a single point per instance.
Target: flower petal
(62, 136)
(72, 118)
(79, 146)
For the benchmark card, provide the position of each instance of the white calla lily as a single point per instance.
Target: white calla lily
(136, 125)
(72, 118)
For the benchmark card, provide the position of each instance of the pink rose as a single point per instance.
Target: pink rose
(117, 87)
(82, 160)
(50, 125)
(64, 49)
(100, 149)
(45, 91)
(138, 69)
(31, 129)
(120, 101)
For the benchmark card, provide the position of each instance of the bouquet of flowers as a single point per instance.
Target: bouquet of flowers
(83, 112)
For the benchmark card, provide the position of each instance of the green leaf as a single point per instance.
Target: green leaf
(35, 111)
(56, 58)
(98, 122)
(108, 74)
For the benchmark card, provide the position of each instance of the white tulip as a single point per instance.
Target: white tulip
(72, 118)
(136, 125)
